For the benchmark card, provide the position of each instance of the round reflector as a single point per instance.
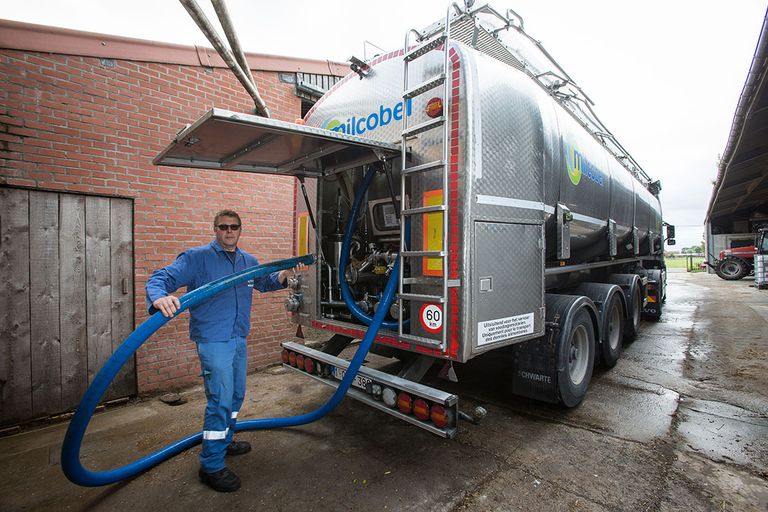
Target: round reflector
(439, 416)
(292, 358)
(404, 403)
(421, 409)
(284, 356)
(300, 361)
(389, 397)
(435, 107)
(309, 365)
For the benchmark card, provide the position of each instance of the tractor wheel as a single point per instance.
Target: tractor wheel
(732, 269)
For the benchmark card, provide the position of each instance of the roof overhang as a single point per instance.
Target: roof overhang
(742, 181)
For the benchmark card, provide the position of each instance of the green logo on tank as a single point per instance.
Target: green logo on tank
(573, 165)
(333, 125)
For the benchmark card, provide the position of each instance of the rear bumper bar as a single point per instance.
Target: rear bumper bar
(376, 381)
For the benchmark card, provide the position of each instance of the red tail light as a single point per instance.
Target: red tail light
(292, 358)
(421, 409)
(300, 362)
(439, 416)
(404, 403)
(284, 356)
(309, 365)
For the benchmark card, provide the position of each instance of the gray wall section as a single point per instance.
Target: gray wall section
(67, 298)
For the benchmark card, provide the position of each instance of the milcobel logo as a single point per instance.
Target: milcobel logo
(380, 117)
(576, 165)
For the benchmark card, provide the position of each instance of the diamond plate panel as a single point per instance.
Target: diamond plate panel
(511, 134)
(512, 257)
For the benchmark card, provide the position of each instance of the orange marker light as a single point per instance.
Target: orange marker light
(435, 107)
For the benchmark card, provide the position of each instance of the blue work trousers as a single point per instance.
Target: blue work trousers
(224, 366)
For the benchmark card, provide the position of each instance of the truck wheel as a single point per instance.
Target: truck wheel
(613, 339)
(632, 326)
(732, 269)
(576, 359)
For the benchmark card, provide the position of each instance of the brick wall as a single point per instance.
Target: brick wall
(87, 125)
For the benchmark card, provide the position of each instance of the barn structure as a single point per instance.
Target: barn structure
(739, 202)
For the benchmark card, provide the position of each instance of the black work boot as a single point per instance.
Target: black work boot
(238, 448)
(222, 480)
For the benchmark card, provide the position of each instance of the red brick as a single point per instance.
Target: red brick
(72, 125)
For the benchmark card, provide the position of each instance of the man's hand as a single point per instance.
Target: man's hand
(167, 305)
(298, 269)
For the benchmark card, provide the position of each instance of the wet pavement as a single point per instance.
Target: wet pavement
(681, 423)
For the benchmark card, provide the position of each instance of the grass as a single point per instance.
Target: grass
(682, 262)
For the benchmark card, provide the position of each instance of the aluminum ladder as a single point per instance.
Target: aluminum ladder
(409, 92)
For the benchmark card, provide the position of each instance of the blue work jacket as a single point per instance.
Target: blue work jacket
(225, 315)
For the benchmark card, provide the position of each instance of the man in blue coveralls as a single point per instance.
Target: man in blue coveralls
(219, 327)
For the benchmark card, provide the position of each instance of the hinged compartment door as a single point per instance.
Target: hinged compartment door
(242, 142)
(507, 283)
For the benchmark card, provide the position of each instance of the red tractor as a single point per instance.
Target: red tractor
(739, 262)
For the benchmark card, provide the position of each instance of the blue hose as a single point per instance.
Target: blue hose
(70, 450)
(346, 293)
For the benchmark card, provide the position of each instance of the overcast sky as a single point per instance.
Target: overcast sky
(665, 75)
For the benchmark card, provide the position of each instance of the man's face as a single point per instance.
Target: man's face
(227, 237)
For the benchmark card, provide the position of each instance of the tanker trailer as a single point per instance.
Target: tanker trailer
(524, 227)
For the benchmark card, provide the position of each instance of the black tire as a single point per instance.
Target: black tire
(613, 340)
(632, 325)
(576, 359)
(732, 269)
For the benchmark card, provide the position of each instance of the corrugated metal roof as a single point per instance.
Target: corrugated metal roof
(742, 179)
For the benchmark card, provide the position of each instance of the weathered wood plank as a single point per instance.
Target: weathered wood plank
(15, 378)
(121, 235)
(44, 302)
(97, 283)
(74, 336)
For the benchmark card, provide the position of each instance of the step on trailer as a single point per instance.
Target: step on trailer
(523, 226)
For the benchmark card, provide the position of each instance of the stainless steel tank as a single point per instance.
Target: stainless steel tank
(527, 181)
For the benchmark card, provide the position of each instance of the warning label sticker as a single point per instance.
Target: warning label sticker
(501, 329)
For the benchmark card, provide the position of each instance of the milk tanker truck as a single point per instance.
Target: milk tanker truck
(524, 228)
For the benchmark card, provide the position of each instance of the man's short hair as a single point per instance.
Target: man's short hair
(226, 213)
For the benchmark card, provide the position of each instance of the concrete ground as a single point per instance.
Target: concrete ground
(681, 423)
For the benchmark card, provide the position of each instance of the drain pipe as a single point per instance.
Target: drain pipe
(229, 30)
(205, 25)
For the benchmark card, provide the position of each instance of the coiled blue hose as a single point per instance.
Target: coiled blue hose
(346, 242)
(70, 450)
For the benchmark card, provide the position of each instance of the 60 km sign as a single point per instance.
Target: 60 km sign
(432, 317)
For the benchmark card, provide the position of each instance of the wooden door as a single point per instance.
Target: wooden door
(66, 298)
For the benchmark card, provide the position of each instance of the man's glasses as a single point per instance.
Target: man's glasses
(228, 227)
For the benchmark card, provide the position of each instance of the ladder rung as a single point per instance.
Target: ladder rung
(426, 47)
(434, 281)
(425, 86)
(421, 340)
(423, 127)
(421, 298)
(437, 164)
(427, 254)
(424, 209)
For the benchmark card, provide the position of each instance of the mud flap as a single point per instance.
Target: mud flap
(534, 366)
(654, 294)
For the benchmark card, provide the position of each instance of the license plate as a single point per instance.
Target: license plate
(359, 381)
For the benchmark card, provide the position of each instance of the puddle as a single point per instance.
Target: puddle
(723, 432)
